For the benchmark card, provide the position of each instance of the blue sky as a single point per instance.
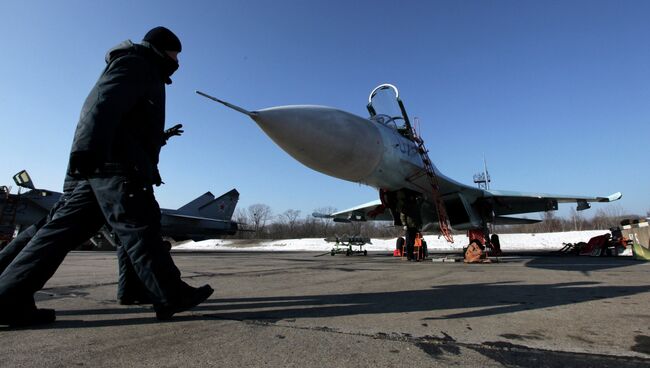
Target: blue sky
(555, 94)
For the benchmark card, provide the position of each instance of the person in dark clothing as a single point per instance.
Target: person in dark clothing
(114, 159)
(407, 206)
(129, 288)
(409, 236)
(13, 248)
(16, 245)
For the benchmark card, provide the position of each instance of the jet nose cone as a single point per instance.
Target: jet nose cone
(327, 140)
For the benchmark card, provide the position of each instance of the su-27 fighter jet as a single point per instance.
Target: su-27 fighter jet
(384, 152)
(205, 217)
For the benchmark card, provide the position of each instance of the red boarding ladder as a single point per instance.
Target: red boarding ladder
(433, 180)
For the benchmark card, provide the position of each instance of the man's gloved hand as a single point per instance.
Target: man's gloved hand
(175, 130)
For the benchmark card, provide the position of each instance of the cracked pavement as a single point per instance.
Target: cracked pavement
(302, 309)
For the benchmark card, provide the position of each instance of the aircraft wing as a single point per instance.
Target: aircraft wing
(197, 218)
(510, 203)
(42, 198)
(503, 203)
(371, 211)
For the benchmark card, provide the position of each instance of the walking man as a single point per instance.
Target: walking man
(114, 159)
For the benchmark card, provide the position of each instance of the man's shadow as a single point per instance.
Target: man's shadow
(439, 302)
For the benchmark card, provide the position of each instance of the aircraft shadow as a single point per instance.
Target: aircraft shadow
(582, 264)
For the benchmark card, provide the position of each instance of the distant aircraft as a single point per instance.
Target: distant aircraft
(384, 152)
(21, 210)
(206, 217)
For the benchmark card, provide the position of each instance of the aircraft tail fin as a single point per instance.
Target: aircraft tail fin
(22, 179)
(195, 204)
(206, 205)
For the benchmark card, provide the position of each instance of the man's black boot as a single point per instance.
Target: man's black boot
(27, 317)
(190, 298)
(126, 300)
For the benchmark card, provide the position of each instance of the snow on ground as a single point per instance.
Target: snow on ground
(509, 242)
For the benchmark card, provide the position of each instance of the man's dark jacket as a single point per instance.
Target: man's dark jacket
(121, 127)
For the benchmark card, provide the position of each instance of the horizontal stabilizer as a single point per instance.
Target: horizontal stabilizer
(196, 218)
(506, 220)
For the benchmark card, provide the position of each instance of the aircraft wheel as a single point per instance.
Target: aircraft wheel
(348, 252)
(365, 252)
(332, 253)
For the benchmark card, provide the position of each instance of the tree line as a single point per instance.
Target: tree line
(259, 222)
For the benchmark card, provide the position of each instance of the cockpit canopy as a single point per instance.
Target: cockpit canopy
(386, 108)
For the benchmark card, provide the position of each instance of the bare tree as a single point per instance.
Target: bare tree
(576, 219)
(258, 219)
(551, 223)
(241, 218)
(601, 220)
(310, 228)
(290, 217)
(259, 214)
(324, 223)
(608, 217)
(616, 213)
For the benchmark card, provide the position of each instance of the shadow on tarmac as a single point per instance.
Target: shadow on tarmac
(486, 299)
(76, 324)
(443, 302)
(582, 264)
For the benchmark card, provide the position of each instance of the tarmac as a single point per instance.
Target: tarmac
(302, 309)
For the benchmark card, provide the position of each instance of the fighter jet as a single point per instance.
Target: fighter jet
(23, 209)
(384, 152)
(206, 217)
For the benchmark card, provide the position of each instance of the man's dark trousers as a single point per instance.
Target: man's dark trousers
(11, 251)
(411, 232)
(129, 285)
(128, 207)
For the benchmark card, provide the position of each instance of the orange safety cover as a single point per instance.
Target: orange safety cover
(594, 244)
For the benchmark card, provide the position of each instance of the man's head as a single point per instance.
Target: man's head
(167, 44)
(163, 39)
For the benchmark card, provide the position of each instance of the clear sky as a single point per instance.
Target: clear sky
(555, 94)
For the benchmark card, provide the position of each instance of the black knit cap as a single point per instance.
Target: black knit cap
(163, 39)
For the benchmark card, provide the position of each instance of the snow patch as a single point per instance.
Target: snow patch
(509, 242)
